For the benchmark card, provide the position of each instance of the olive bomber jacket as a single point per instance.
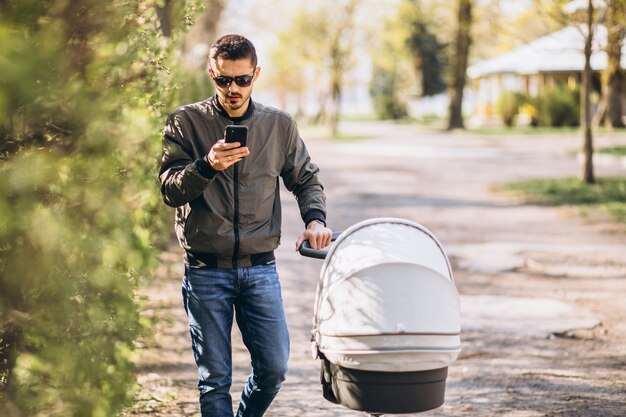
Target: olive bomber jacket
(232, 214)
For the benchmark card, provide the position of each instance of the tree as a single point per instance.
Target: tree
(83, 88)
(461, 54)
(592, 14)
(289, 65)
(300, 58)
(203, 32)
(340, 58)
(429, 53)
(194, 82)
(394, 70)
(408, 59)
(587, 173)
(614, 75)
(322, 39)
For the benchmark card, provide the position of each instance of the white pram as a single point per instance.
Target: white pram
(387, 318)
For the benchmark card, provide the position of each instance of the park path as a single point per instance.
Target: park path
(542, 288)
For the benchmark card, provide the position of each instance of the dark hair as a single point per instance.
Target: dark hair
(233, 47)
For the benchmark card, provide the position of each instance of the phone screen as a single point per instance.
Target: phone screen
(236, 133)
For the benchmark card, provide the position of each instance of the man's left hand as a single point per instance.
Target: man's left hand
(318, 235)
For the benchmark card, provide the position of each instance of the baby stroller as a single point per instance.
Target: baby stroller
(387, 318)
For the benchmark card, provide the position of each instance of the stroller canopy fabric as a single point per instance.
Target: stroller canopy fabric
(386, 300)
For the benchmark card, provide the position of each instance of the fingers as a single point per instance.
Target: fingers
(318, 239)
(328, 238)
(299, 242)
(314, 241)
(238, 153)
(222, 145)
(223, 155)
(325, 239)
(318, 242)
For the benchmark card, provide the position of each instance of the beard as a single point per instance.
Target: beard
(234, 101)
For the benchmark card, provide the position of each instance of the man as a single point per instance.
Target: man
(228, 222)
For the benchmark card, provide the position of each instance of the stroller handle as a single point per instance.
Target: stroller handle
(306, 250)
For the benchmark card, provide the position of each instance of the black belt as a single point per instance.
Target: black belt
(209, 260)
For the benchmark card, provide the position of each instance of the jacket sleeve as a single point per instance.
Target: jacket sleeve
(182, 178)
(300, 176)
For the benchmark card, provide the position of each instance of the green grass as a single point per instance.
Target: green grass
(615, 150)
(524, 130)
(358, 118)
(543, 130)
(426, 120)
(324, 132)
(607, 195)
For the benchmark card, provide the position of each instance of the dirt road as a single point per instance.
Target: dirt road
(542, 289)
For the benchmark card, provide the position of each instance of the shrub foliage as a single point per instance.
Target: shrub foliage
(558, 107)
(508, 106)
(82, 88)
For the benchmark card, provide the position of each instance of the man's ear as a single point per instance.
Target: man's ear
(257, 71)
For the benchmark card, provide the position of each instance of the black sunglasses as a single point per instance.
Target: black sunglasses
(223, 81)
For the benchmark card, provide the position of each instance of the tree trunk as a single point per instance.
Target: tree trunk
(164, 13)
(462, 46)
(339, 53)
(615, 73)
(587, 174)
(203, 32)
(336, 100)
(336, 76)
(322, 112)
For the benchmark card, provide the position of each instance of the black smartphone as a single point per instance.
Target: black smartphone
(236, 133)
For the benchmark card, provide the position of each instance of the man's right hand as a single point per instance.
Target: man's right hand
(222, 154)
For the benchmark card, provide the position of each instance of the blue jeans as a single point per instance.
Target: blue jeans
(210, 297)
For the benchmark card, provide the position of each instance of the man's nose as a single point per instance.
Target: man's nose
(233, 87)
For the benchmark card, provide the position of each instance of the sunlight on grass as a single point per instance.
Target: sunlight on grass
(523, 130)
(546, 130)
(615, 150)
(324, 132)
(608, 194)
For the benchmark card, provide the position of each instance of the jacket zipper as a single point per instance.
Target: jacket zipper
(236, 217)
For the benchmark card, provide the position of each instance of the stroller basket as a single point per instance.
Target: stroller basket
(387, 318)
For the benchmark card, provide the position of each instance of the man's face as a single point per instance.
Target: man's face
(233, 98)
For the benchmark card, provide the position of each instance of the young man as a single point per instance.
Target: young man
(228, 220)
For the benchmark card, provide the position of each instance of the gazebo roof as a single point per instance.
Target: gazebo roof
(558, 51)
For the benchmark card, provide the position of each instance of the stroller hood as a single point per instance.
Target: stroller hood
(386, 299)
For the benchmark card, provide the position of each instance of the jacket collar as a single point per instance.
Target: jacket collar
(218, 107)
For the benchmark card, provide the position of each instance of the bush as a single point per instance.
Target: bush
(558, 107)
(82, 85)
(508, 106)
(383, 92)
(194, 86)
